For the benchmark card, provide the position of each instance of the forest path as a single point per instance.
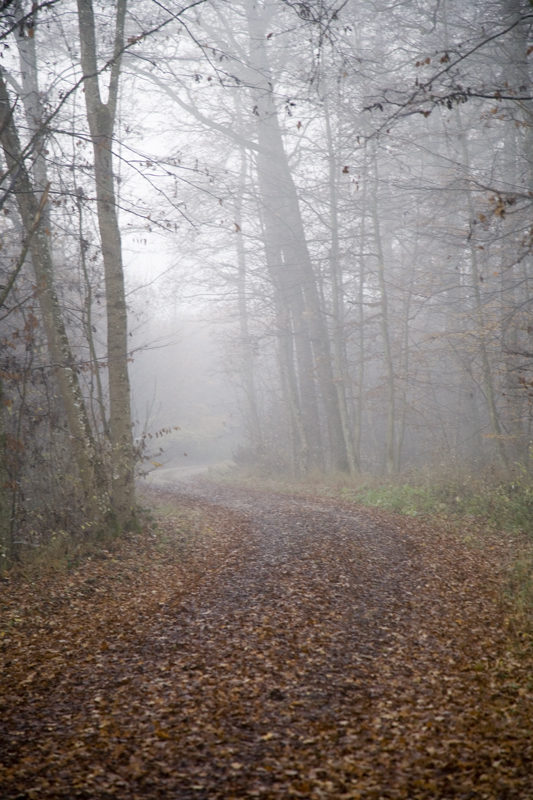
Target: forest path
(306, 648)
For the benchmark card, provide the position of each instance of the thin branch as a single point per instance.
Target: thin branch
(25, 247)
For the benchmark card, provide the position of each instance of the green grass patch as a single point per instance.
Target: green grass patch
(470, 502)
(501, 500)
(401, 498)
(506, 505)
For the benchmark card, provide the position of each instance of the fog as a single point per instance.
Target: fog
(266, 399)
(357, 210)
(293, 235)
(177, 384)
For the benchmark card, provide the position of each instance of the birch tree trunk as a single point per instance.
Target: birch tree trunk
(101, 117)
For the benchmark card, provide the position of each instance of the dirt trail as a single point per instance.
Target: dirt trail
(311, 649)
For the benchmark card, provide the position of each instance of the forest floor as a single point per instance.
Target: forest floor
(259, 645)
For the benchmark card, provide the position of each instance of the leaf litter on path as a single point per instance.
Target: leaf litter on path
(287, 647)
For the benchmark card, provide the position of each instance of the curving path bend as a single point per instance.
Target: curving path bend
(301, 648)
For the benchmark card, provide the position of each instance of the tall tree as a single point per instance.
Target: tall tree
(102, 119)
(281, 203)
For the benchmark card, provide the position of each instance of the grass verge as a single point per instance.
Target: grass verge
(471, 503)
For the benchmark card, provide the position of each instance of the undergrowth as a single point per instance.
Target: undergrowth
(503, 504)
(170, 537)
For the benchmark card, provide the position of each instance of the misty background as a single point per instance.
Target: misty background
(292, 234)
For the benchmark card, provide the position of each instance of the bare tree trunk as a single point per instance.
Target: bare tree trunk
(341, 371)
(254, 425)
(358, 428)
(280, 197)
(515, 280)
(6, 536)
(385, 333)
(90, 467)
(88, 324)
(298, 433)
(488, 384)
(6, 497)
(292, 327)
(101, 117)
(521, 73)
(284, 336)
(31, 99)
(400, 424)
(306, 365)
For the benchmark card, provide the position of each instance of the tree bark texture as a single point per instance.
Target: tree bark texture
(101, 118)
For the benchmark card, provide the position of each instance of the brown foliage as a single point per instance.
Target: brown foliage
(298, 648)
